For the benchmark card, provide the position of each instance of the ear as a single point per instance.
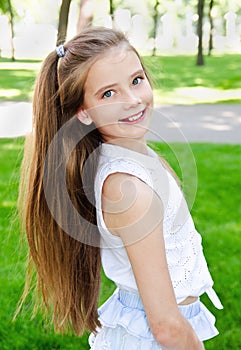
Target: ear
(83, 117)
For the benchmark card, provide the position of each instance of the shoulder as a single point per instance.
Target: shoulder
(119, 186)
(129, 206)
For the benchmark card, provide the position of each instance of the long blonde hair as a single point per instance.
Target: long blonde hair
(68, 269)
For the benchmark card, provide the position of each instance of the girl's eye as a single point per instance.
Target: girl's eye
(108, 94)
(137, 80)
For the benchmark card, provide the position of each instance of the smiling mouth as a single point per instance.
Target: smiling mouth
(134, 118)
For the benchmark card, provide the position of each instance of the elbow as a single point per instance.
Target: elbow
(167, 333)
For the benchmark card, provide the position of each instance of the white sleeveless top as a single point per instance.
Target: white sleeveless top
(186, 263)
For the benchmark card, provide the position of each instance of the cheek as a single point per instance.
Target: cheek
(147, 93)
(103, 114)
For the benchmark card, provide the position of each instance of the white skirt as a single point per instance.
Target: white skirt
(125, 325)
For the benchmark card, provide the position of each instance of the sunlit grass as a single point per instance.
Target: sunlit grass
(197, 95)
(17, 79)
(11, 94)
(177, 80)
(20, 65)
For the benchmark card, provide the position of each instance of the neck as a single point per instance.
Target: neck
(137, 145)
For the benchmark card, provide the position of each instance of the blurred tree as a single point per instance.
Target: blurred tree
(115, 4)
(111, 7)
(210, 44)
(86, 13)
(156, 17)
(11, 21)
(200, 9)
(7, 8)
(63, 21)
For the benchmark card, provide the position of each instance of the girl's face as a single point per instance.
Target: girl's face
(118, 97)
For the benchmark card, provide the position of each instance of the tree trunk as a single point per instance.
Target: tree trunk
(85, 14)
(111, 7)
(200, 59)
(63, 22)
(11, 29)
(155, 18)
(210, 44)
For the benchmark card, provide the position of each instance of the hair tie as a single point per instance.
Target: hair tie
(60, 51)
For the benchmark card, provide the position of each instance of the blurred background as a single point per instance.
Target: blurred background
(28, 29)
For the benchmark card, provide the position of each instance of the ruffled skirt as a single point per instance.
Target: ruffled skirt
(125, 325)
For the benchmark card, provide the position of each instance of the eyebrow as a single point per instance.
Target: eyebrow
(104, 88)
(138, 72)
(108, 87)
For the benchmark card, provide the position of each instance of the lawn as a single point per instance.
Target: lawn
(177, 80)
(17, 79)
(217, 215)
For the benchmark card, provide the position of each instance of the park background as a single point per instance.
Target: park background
(166, 34)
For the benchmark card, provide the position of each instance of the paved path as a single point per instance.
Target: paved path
(217, 123)
(15, 119)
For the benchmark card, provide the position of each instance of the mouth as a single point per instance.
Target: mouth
(134, 118)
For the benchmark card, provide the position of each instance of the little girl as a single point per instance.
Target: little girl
(95, 195)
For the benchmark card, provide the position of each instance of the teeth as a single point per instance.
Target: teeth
(132, 119)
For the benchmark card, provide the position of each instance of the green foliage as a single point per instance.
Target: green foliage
(4, 6)
(8, 8)
(217, 215)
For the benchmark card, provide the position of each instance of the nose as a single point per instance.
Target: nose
(131, 99)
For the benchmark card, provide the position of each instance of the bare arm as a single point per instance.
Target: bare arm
(137, 219)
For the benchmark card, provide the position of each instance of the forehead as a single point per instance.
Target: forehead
(116, 55)
(116, 60)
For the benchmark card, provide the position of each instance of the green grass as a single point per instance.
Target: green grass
(177, 80)
(217, 215)
(17, 79)
(25, 333)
